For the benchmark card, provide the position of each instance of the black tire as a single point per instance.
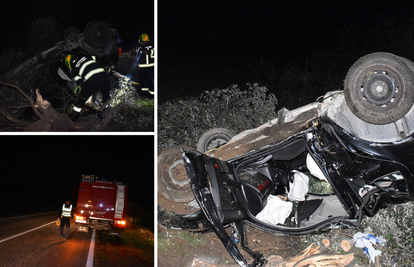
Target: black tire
(97, 34)
(379, 88)
(10, 97)
(214, 138)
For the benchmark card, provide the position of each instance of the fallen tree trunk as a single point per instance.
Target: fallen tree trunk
(326, 260)
(31, 102)
(313, 256)
(51, 120)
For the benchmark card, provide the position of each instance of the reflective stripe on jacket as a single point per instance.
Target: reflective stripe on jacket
(66, 212)
(147, 59)
(85, 67)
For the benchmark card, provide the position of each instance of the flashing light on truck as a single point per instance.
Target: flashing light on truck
(101, 205)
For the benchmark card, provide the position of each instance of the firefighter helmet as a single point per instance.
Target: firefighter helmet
(67, 60)
(143, 38)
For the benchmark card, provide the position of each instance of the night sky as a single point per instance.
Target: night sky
(239, 30)
(130, 18)
(42, 171)
(212, 40)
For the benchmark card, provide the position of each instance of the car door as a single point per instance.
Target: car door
(215, 186)
(219, 194)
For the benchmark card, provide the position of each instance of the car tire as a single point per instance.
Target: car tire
(379, 89)
(11, 97)
(214, 138)
(97, 34)
(173, 183)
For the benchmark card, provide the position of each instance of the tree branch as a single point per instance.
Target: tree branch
(32, 103)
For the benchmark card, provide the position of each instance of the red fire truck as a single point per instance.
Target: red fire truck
(101, 205)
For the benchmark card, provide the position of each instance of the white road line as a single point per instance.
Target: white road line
(3, 240)
(89, 263)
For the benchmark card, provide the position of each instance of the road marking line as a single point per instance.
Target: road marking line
(89, 263)
(3, 240)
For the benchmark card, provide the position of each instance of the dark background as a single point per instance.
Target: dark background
(40, 172)
(130, 18)
(298, 49)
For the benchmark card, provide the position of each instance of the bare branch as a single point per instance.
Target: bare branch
(32, 103)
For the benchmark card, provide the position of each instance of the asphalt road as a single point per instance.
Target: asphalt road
(19, 246)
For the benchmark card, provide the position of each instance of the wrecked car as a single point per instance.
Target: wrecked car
(47, 72)
(312, 169)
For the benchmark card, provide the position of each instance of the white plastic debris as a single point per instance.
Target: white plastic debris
(276, 211)
(367, 241)
(299, 187)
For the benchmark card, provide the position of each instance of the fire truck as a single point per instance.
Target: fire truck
(101, 205)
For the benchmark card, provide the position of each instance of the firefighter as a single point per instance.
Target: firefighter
(146, 53)
(89, 77)
(64, 217)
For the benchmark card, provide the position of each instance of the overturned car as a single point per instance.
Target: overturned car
(47, 72)
(312, 169)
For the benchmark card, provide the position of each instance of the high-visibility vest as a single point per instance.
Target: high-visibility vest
(66, 212)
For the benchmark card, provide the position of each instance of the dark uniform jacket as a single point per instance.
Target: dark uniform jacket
(85, 67)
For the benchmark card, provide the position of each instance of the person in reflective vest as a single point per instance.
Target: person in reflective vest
(89, 77)
(65, 215)
(146, 54)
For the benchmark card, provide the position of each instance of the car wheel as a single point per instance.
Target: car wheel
(10, 97)
(97, 34)
(214, 138)
(173, 183)
(379, 88)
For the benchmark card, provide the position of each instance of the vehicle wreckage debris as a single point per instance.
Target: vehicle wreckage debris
(232, 183)
(191, 222)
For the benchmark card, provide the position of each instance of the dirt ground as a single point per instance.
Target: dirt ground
(183, 248)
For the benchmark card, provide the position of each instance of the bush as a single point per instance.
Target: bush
(140, 215)
(44, 33)
(183, 121)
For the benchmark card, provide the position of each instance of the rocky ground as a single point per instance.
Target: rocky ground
(182, 122)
